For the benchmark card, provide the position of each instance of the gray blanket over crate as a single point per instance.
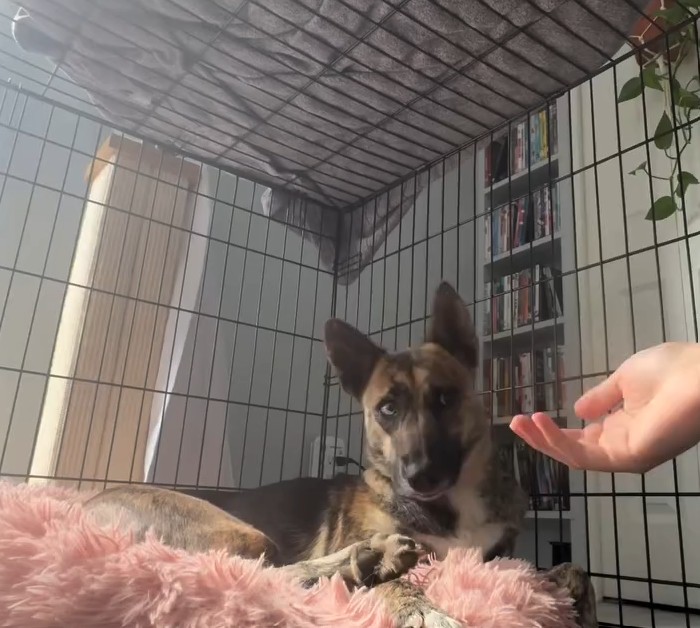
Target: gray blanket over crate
(327, 102)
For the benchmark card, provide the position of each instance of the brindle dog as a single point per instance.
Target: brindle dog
(432, 482)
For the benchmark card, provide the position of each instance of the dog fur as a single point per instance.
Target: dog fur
(432, 482)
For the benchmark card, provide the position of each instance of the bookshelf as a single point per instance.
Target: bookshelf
(528, 312)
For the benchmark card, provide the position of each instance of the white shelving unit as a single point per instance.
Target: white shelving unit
(556, 249)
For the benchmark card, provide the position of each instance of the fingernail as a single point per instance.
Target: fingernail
(515, 418)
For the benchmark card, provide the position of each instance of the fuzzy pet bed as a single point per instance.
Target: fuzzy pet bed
(59, 569)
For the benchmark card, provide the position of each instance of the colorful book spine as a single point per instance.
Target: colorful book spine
(528, 142)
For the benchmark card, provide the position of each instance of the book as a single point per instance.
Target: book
(529, 141)
(526, 297)
(530, 381)
(525, 220)
(499, 159)
(546, 481)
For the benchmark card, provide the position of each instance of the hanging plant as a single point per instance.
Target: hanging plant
(660, 63)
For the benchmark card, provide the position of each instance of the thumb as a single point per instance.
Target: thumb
(600, 399)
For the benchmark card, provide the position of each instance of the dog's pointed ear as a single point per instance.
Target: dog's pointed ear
(452, 327)
(352, 354)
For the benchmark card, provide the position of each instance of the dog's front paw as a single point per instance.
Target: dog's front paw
(428, 619)
(398, 554)
(384, 557)
(576, 581)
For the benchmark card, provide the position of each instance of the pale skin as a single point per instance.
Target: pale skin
(644, 414)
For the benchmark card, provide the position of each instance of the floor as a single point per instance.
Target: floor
(635, 617)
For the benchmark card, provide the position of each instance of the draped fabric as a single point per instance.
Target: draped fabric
(327, 102)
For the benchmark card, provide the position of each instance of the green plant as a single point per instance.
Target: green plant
(659, 71)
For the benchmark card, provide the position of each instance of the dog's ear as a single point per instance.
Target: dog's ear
(452, 327)
(352, 354)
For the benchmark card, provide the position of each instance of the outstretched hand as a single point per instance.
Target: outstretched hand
(658, 419)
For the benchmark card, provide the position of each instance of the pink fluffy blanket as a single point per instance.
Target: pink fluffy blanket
(57, 568)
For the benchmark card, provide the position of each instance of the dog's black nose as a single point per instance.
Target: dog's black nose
(422, 477)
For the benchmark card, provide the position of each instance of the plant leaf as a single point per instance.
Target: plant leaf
(642, 166)
(650, 78)
(673, 15)
(663, 136)
(662, 208)
(685, 180)
(694, 4)
(631, 89)
(684, 98)
(687, 99)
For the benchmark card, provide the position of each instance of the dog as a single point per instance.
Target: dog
(432, 482)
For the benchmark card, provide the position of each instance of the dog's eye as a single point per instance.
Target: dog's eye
(388, 409)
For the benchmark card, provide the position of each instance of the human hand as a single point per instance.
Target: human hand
(659, 419)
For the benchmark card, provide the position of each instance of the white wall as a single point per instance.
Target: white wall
(273, 381)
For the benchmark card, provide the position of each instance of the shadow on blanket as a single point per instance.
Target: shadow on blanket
(58, 569)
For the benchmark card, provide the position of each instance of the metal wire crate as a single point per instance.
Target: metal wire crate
(188, 190)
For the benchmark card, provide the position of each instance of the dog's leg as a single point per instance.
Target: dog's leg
(578, 583)
(179, 521)
(410, 607)
(367, 563)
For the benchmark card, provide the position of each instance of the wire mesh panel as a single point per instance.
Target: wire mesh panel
(637, 278)
(153, 324)
(555, 230)
(335, 102)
